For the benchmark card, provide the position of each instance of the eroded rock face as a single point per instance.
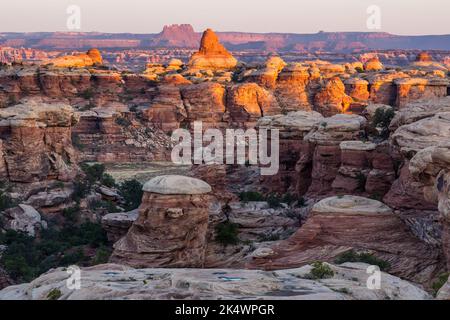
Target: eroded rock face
(23, 218)
(430, 167)
(414, 89)
(248, 102)
(37, 142)
(338, 224)
(205, 102)
(294, 174)
(332, 99)
(292, 89)
(212, 55)
(171, 228)
(112, 281)
(92, 57)
(118, 224)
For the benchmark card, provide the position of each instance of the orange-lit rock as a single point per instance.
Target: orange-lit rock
(212, 55)
(332, 99)
(92, 57)
(373, 64)
(247, 102)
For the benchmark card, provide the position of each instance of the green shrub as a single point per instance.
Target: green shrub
(321, 271)
(54, 294)
(102, 255)
(251, 196)
(352, 256)
(123, 122)
(362, 179)
(6, 201)
(440, 282)
(109, 206)
(227, 233)
(71, 214)
(382, 119)
(131, 191)
(94, 173)
(359, 70)
(108, 180)
(81, 189)
(87, 94)
(274, 201)
(25, 258)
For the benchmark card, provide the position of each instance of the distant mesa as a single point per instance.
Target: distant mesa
(212, 55)
(177, 35)
(88, 59)
(424, 57)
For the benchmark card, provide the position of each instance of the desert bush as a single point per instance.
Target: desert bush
(321, 271)
(251, 196)
(352, 256)
(440, 282)
(131, 191)
(227, 233)
(123, 122)
(381, 120)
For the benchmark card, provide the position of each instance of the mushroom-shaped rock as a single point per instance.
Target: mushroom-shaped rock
(176, 185)
(342, 223)
(170, 230)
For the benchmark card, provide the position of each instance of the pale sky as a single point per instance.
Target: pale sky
(408, 17)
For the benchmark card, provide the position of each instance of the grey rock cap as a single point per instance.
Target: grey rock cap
(174, 184)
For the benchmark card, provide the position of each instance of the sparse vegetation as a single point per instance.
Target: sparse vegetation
(439, 283)
(361, 178)
(352, 256)
(381, 121)
(227, 233)
(251, 196)
(54, 294)
(87, 94)
(123, 122)
(320, 271)
(131, 191)
(26, 258)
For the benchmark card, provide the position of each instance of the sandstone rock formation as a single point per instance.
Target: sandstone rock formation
(338, 224)
(248, 102)
(112, 281)
(23, 218)
(37, 141)
(212, 55)
(92, 57)
(373, 64)
(171, 228)
(332, 99)
(117, 224)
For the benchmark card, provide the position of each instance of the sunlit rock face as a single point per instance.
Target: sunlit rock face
(92, 57)
(373, 64)
(338, 224)
(332, 99)
(212, 55)
(171, 228)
